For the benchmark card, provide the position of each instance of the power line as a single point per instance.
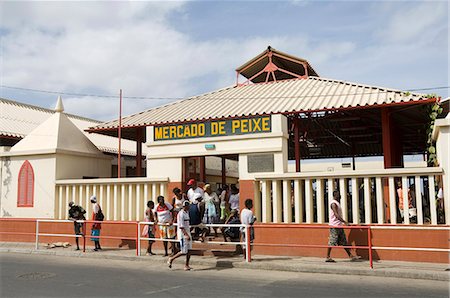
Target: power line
(216, 98)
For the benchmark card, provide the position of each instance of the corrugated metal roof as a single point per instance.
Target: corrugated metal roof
(288, 96)
(18, 119)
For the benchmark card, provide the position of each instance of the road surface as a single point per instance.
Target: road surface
(24, 275)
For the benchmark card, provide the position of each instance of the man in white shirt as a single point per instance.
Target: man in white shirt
(184, 235)
(248, 219)
(195, 193)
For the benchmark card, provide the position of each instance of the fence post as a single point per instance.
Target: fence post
(37, 234)
(248, 255)
(369, 243)
(138, 239)
(84, 236)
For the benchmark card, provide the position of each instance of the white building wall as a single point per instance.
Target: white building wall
(164, 158)
(77, 167)
(44, 186)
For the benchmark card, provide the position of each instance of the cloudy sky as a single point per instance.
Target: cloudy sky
(168, 50)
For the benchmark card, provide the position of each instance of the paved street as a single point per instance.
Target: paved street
(54, 276)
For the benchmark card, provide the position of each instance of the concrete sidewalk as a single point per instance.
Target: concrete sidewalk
(410, 270)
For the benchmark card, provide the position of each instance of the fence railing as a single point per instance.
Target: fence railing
(121, 199)
(366, 196)
(245, 241)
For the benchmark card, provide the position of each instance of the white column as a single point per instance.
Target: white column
(122, 202)
(319, 201)
(101, 197)
(130, 202)
(330, 193)
(266, 206)
(380, 201)
(367, 202)
(298, 201)
(66, 201)
(88, 201)
(109, 215)
(257, 200)
(405, 200)
(74, 194)
(146, 196)
(60, 202)
(392, 202)
(355, 201)
(162, 190)
(419, 207)
(287, 201)
(276, 194)
(432, 195)
(344, 198)
(154, 193)
(308, 201)
(81, 199)
(115, 206)
(139, 202)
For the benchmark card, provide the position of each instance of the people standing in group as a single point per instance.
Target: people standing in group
(77, 213)
(224, 203)
(210, 200)
(337, 235)
(149, 229)
(184, 236)
(234, 198)
(164, 220)
(97, 215)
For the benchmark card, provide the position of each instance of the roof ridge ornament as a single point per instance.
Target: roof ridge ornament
(59, 108)
(272, 66)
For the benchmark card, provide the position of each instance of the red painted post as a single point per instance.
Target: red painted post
(119, 156)
(248, 253)
(369, 243)
(84, 236)
(138, 246)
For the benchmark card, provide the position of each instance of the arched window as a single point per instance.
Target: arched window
(25, 192)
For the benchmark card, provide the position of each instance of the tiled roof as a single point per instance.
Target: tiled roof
(288, 96)
(18, 119)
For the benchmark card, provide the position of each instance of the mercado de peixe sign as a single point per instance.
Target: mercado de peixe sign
(214, 128)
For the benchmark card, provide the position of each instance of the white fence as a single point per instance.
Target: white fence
(365, 196)
(120, 199)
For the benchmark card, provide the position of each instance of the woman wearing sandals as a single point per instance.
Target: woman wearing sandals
(337, 235)
(184, 235)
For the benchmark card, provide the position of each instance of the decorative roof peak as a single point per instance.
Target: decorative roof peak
(59, 108)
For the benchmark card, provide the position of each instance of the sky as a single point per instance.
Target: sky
(168, 50)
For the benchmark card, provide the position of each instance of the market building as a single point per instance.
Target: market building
(274, 134)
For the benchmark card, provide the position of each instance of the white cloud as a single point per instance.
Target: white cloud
(104, 47)
(414, 23)
(100, 47)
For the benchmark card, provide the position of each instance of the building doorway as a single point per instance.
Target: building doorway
(214, 170)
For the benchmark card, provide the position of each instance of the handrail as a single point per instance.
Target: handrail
(356, 173)
(112, 180)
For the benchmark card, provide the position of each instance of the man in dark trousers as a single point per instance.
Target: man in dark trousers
(76, 213)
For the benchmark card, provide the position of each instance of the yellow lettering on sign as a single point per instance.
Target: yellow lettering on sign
(173, 132)
(244, 125)
(256, 124)
(265, 124)
(235, 124)
(214, 128)
(180, 133)
(222, 127)
(158, 133)
(193, 130)
(187, 131)
(166, 132)
(201, 129)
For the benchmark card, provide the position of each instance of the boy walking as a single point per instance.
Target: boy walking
(184, 235)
